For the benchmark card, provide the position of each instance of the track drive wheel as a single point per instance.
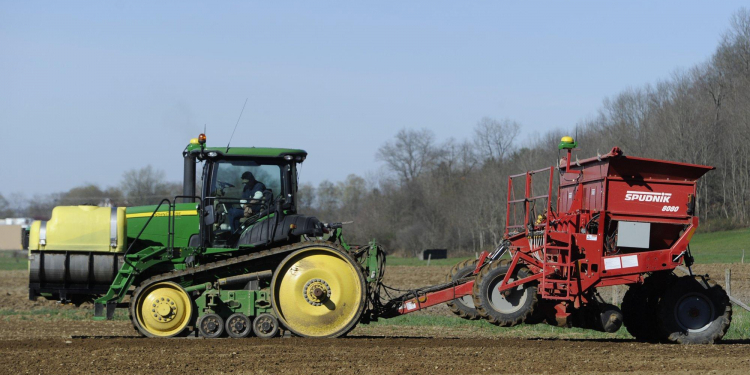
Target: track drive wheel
(508, 309)
(161, 310)
(695, 311)
(318, 291)
(210, 326)
(238, 325)
(464, 306)
(640, 306)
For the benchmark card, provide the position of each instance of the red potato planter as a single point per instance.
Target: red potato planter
(616, 220)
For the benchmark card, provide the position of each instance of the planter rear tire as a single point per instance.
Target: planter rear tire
(694, 311)
(640, 307)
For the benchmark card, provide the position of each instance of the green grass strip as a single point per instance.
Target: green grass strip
(721, 247)
(738, 330)
(13, 260)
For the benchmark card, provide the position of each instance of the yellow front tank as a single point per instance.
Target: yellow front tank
(81, 228)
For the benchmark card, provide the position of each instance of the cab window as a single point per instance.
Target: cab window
(228, 177)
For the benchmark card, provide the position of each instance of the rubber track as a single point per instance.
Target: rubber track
(709, 336)
(168, 276)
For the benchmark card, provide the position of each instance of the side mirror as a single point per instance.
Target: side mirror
(209, 216)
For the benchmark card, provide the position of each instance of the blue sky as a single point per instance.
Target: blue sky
(91, 89)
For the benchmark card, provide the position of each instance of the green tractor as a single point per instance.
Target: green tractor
(235, 259)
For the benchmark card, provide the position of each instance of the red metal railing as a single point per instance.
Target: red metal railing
(513, 202)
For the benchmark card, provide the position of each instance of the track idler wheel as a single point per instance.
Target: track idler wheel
(318, 291)
(265, 326)
(161, 310)
(694, 311)
(210, 326)
(238, 325)
(464, 306)
(504, 309)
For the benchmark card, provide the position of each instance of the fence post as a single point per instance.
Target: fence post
(429, 257)
(743, 256)
(727, 281)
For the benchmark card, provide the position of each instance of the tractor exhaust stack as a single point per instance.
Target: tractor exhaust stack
(188, 183)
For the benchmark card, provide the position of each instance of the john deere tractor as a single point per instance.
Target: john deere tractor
(235, 259)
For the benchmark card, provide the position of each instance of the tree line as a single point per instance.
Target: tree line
(138, 187)
(452, 193)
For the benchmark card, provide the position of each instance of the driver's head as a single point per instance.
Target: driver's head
(248, 178)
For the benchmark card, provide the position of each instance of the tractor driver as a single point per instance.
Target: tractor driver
(252, 191)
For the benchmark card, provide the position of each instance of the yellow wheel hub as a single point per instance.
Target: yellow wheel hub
(164, 309)
(318, 292)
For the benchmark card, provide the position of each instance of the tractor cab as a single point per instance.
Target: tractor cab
(248, 195)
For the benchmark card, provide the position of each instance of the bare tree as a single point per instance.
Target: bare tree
(91, 195)
(352, 191)
(305, 197)
(5, 208)
(457, 157)
(40, 206)
(410, 154)
(147, 186)
(494, 139)
(328, 200)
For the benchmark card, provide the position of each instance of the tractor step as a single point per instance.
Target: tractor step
(99, 311)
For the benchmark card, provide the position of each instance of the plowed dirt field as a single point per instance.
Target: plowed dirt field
(41, 337)
(365, 356)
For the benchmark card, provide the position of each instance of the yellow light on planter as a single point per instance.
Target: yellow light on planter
(567, 142)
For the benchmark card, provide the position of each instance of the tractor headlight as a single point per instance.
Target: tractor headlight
(288, 157)
(212, 154)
